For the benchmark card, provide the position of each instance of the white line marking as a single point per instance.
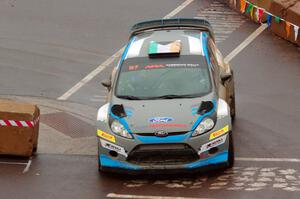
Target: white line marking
(110, 60)
(178, 9)
(113, 195)
(245, 43)
(91, 75)
(97, 100)
(99, 96)
(27, 166)
(14, 163)
(295, 160)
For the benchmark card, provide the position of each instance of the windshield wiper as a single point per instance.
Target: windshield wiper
(175, 96)
(129, 97)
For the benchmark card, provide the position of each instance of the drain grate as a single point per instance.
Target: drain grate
(68, 125)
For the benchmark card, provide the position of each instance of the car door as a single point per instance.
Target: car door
(215, 68)
(223, 68)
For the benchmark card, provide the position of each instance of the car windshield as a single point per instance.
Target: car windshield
(186, 76)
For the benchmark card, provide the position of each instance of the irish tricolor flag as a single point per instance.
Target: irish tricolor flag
(166, 48)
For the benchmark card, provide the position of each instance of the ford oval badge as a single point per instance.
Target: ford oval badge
(161, 134)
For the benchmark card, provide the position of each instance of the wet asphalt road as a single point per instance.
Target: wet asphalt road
(48, 46)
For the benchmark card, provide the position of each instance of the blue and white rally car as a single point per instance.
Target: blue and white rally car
(171, 101)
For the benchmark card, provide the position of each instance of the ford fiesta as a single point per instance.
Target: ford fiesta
(171, 102)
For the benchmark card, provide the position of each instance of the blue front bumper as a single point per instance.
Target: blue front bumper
(109, 163)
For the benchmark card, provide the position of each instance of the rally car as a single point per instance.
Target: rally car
(171, 101)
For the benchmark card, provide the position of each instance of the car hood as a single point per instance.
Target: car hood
(169, 115)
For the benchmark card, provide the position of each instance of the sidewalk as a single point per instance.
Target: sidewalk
(65, 127)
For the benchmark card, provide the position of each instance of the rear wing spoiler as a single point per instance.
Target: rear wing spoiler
(189, 23)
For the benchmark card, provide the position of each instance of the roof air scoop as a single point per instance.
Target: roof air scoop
(118, 110)
(205, 107)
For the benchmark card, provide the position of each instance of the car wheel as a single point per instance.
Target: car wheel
(99, 161)
(232, 107)
(232, 99)
(230, 161)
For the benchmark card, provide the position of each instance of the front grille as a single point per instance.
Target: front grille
(165, 154)
(169, 134)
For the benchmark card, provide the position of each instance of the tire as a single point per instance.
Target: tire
(232, 99)
(99, 161)
(230, 161)
(34, 150)
(232, 107)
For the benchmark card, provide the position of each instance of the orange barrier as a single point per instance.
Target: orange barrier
(19, 128)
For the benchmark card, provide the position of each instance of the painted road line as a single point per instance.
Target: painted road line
(245, 43)
(14, 163)
(91, 75)
(97, 100)
(294, 160)
(99, 96)
(27, 165)
(111, 59)
(246, 179)
(178, 9)
(113, 195)
(223, 20)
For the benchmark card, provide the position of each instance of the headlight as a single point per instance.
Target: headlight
(204, 126)
(119, 129)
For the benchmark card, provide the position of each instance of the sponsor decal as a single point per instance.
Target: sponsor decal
(218, 133)
(161, 119)
(113, 147)
(168, 125)
(213, 144)
(154, 66)
(133, 67)
(181, 65)
(106, 136)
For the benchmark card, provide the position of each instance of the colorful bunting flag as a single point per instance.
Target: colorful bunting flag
(296, 30)
(269, 18)
(260, 14)
(251, 13)
(257, 14)
(243, 6)
(249, 8)
(287, 29)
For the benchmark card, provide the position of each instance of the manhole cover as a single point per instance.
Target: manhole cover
(68, 125)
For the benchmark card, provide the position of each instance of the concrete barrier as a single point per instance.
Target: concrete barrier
(285, 9)
(288, 10)
(19, 128)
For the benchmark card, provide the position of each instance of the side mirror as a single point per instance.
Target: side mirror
(225, 77)
(107, 84)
